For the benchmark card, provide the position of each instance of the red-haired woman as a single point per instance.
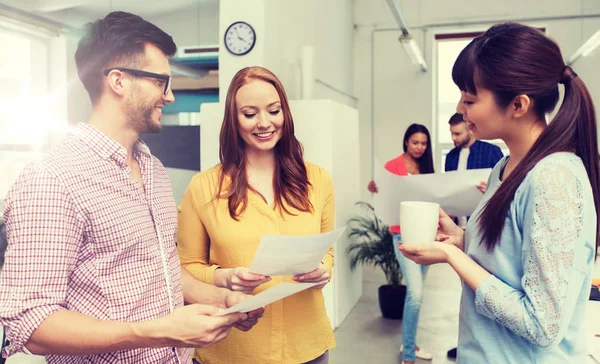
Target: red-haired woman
(262, 186)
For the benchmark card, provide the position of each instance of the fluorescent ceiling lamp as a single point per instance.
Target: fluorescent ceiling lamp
(587, 48)
(414, 53)
(410, 45)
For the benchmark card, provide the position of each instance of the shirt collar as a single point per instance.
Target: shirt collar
(474, 145)
(105, 146)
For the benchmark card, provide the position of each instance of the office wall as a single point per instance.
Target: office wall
(402, 94)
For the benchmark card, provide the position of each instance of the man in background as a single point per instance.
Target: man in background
(468, 152)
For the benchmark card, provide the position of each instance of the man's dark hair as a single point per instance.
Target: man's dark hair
(456, 119)
(118, 40)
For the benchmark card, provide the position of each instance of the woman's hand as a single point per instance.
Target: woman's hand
(319, 275)
(448, 232)
(239, 279)
(448, 237)
(427, 253)
(373, 187)
(437, 252)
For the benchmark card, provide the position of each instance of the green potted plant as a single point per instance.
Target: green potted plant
(371, 243)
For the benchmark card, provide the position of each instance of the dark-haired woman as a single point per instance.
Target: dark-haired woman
(527, 254)
(262, 186)
(416, 159)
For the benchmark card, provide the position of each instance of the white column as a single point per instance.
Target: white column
(253, 13)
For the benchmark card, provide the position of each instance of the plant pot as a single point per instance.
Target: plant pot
(391, 301)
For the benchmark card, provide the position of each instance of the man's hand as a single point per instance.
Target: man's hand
(482, 186)
(236, 297)
(193, 326)
(319, 275)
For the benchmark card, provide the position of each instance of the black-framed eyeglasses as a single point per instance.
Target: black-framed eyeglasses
(140, 73)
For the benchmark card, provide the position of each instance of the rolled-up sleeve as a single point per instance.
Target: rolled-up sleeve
(44, 232)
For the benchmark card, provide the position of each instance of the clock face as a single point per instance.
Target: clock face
(239, 38)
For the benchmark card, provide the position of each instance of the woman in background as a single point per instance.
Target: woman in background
(262, 186)
(416, 159)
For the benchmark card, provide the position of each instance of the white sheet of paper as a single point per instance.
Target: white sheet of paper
(266, 297)
(455, 191)
(593, 346)
(592, 323)
(281, 255)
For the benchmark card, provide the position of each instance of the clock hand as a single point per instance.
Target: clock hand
(238, 36)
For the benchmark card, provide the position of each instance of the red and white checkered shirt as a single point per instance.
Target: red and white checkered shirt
(84, 236)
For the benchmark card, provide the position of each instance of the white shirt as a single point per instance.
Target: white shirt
(463, 158)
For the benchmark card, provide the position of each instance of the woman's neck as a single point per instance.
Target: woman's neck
(260, 160)
(412, 165)
(260, 171)
(520, 141)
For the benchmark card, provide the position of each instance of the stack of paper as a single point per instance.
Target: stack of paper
(280, 255)
(266, 297)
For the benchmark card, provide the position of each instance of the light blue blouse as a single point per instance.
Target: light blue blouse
(532, 307)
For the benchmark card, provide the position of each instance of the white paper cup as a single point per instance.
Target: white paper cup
(418, 221)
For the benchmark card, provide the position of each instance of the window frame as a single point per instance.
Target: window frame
(448, 35)
(39, 71)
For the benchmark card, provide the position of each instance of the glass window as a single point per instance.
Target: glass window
(15, 83)
(25, 101)
(25, 97)
(447, 92)
(449, 47)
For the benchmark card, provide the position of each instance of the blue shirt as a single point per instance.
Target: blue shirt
(531, 308)
(481, 155)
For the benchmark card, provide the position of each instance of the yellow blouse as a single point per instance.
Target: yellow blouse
(293, 330)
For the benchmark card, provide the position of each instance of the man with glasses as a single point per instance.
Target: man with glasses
(165, 79)
(91, 273)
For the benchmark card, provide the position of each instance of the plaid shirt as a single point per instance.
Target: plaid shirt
(481, 155)
(84, 236)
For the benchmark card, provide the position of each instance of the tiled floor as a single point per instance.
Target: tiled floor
(366, 337)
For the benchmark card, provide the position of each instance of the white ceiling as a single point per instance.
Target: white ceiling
(78, 12)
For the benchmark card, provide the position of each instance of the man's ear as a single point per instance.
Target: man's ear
(117, 82)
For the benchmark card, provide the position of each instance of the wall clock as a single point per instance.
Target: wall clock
(240, 38)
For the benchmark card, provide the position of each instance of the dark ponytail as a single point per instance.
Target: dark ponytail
(512, 59)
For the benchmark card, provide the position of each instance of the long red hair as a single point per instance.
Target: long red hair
(290, 181)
